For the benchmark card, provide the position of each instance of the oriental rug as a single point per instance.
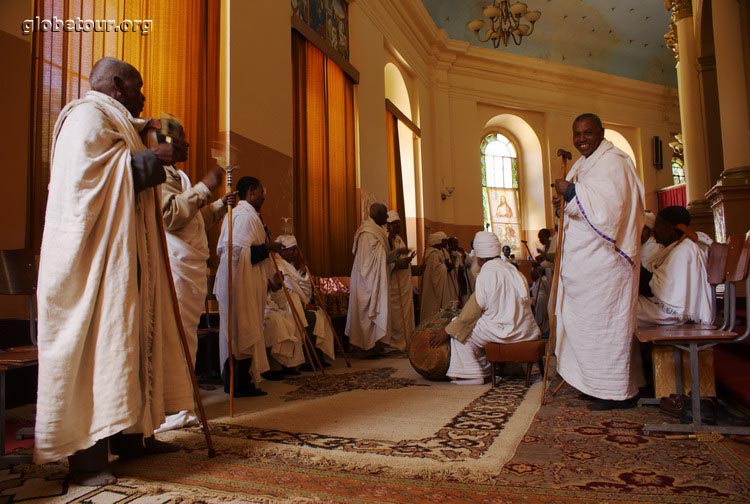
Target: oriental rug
(568, 454)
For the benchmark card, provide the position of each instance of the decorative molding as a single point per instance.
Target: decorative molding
(680, 9)
(671, 40)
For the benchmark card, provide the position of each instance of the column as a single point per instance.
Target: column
(697, 175)
(731, 193)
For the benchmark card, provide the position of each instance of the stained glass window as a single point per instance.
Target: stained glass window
(678, 170)
(500, 190)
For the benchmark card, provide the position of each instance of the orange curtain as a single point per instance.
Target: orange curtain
(325, 210)
(178, 59)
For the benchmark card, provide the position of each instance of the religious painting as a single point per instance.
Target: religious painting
(301, 9)
(338, 26)
(505, 215)
(318, 17)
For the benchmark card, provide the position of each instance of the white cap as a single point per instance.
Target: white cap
(650, 219)
(287, 240)
(436, 238)
(393, 216)
(486, 245)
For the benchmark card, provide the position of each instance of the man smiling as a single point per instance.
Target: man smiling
(598, 290)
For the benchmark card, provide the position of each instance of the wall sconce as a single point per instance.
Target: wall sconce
(446, 193)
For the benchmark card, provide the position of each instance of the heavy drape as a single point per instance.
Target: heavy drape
(325, 204)
(178, 59)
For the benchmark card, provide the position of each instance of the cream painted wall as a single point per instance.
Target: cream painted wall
(261, 72)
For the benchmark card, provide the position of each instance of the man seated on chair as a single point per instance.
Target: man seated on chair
(499, 311)
(283, 339)
(676, 291)
(298, 281)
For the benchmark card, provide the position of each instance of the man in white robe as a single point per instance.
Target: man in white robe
(598, 289)
(650, 248)
(298, 280)
(251, 272)
(499, 311)
(451, 285)
(282, 337)
(676, 290)
(434, 292)
(110, 359)
(401, 298)
(367, 320)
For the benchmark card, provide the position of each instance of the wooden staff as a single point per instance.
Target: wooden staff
(152, 141)
(400, 297)
(336, 338)
(230, 280)
(565, 155)
(306, 343)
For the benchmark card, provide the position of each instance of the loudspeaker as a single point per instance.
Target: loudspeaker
(658, 160)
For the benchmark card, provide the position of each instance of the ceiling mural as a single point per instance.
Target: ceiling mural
(620, 37)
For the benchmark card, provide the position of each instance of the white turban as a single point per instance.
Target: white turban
(393, 216)
(436, 238)
(287, 240)
(650, 219)
(486, 245)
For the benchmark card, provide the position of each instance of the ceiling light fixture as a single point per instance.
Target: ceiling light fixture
(505, 22)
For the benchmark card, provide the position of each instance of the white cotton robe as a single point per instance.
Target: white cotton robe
(649, 250)
(502, 294)
(367, 320)
(401, 303)
(434, 284)
(280, 331)
(300, 287)
(598, 288)
(186, 214)
(680, 286)
(110, 357)
(249, 289)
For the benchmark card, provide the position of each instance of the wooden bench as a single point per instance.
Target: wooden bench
(525, 352)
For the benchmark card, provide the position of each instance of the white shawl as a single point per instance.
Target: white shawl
(249, 288)
(680, 282)
(598, 288)
(367, 319)
(109, 352)
(434, 284)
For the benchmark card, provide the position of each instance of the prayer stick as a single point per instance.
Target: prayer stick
(556, 278)
(151, 136)
(230, 308)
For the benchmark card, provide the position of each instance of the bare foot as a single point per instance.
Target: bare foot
(93, 478)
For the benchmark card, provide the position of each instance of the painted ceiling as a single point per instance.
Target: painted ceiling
(619, 37)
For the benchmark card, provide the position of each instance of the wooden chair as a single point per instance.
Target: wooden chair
(693, 338)
(526, 352)
(18, 277)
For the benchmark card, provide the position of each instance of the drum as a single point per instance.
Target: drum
(432, 363)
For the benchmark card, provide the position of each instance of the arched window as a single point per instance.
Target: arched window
(678, 170)
(500, 194)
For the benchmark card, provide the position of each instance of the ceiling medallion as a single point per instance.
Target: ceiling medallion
(505, 22)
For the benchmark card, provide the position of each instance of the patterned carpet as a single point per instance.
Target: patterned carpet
(568, 455)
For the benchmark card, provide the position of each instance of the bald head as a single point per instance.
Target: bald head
(379, 213)
(119, 80)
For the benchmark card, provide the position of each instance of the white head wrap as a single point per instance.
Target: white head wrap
(436, 238)
(287, 240)
(486, 245)
(650, 219)
(393, 216)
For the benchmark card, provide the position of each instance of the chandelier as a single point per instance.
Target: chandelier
(505, 22)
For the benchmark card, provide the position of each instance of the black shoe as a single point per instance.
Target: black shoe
(288, 371)
(272, 375)
(586, 397)
(252, 391)
(708, 409)
(608, 404)
(307, 368)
